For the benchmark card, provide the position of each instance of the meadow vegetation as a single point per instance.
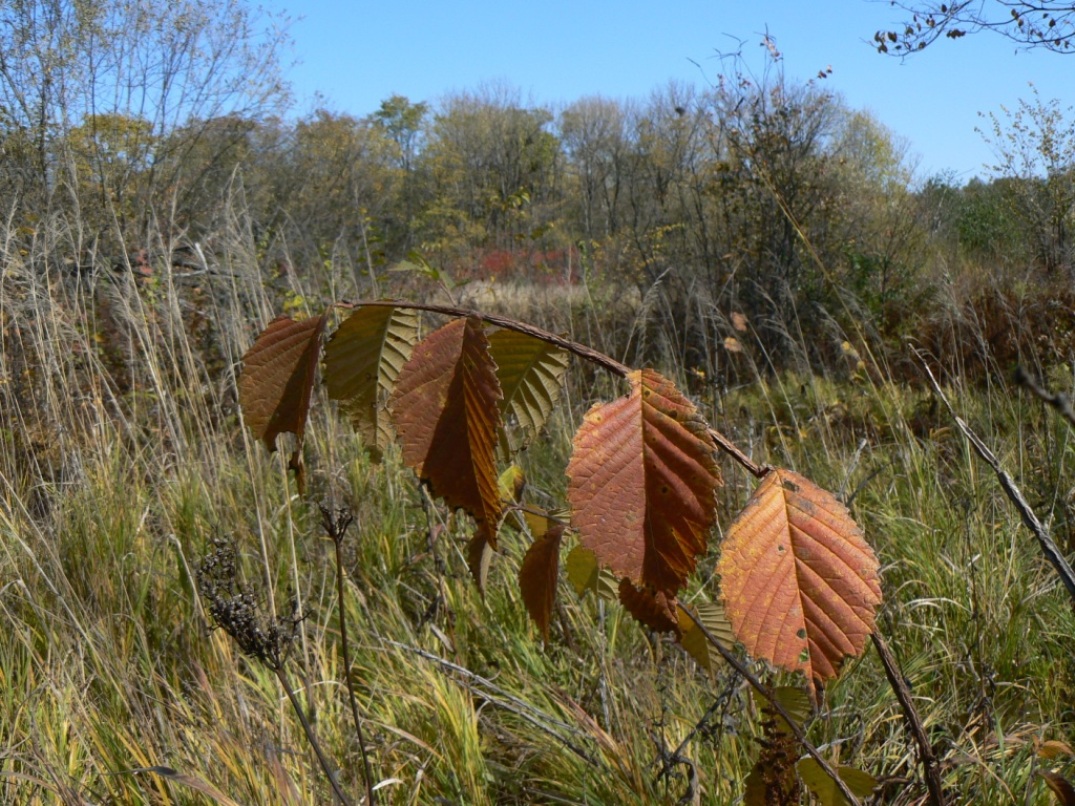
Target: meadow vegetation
(757, 241)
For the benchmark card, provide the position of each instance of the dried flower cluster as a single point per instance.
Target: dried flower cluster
(235, 609)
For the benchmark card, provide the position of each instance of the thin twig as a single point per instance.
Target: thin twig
(335, 526)
(930, 765)
(580, 350)
(1048, 547)
(767, 693)
(1058, 400)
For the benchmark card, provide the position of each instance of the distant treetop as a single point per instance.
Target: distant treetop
(1044, 24)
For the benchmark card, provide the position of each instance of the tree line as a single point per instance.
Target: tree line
(759, 194)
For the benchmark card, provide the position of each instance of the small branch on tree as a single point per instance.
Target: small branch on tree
(573, 347)
(1047, 24)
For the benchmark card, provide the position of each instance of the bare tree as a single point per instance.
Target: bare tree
(164, 65)
(1043, 24)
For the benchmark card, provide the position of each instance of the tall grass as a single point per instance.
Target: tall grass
(122, 459)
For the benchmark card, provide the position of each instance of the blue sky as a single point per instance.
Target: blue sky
(352, 55)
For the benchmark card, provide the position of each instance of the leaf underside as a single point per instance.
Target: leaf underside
(363, 360)
(585, 574)
(538, 575)
(861, 784)
(445, 410)
(692, 639)
(278, 378)
(654, 609)
(799, 582)
(642, 482)
(531, 373)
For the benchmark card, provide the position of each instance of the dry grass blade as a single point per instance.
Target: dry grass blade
(189, 781)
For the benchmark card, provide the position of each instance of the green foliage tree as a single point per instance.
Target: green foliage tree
(1035, 150)
(493, 167)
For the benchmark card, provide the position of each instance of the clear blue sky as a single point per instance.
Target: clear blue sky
(356, 53)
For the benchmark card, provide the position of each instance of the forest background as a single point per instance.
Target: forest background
(755, 238)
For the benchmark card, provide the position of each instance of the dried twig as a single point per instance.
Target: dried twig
(1048, 547)
(1058, 400)
(930, 765)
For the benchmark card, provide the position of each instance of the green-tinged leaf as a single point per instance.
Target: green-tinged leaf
(531, 373)
(692, 639)
(793, 699)
(642, 484)
(445, 409)
(861, 784)
(537, 577)
(363, 360)
(510, 484)
(584, 574)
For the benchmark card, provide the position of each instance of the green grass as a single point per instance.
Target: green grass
(111, 493)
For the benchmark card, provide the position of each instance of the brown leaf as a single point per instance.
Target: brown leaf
(800, 584)
(654, 609)
(1061, 787)
(278, 377)
(538, 575)
(445, 407)
(642, 485)
(363, 360)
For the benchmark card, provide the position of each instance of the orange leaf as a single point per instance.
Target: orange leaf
(445, 409)
(656, 610)
(538, 574)
(278, 377)
(642, 483)
(800, 583)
